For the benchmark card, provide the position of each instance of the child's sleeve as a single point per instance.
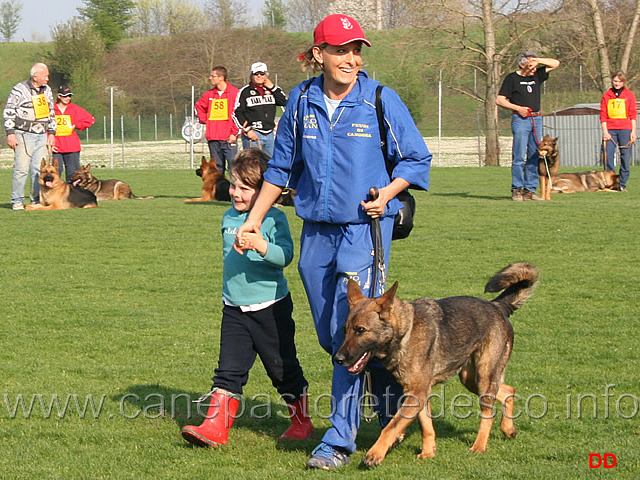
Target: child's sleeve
(278, 236)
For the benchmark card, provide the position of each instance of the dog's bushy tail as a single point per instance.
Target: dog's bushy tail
(518, 281)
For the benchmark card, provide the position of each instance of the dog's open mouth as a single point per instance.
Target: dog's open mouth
(48, 183)
(360, 363)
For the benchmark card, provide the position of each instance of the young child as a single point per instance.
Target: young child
(256, 318)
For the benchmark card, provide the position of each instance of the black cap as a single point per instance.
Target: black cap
(64, 91)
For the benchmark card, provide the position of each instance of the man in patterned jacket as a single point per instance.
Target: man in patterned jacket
(29, 121)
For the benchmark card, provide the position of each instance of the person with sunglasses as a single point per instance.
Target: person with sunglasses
(255, 109)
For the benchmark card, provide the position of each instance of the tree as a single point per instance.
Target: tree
(76, 57)
(110, 18)
(225, 13)
(274, 14)
(488, 34)
(304, 15)
(10, 19)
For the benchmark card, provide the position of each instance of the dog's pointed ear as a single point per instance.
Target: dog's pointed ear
(43, 163)
(88, 167)
(54, 163)
(204, 160)
(387, 298)
(354, 294)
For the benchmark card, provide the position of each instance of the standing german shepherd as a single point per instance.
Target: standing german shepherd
(55, 194)
(215, 185)
(103, 189)
(425, 342)
(548, 164)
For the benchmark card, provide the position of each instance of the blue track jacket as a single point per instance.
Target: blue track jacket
(332, 165)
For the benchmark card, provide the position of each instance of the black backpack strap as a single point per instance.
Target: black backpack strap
(383, 130)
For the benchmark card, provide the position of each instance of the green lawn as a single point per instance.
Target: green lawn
(121, 305)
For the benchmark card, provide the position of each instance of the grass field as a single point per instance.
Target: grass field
(120, 305)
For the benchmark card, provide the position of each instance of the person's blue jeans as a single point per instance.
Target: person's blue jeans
(31, 149)
(224, 153)
(265, 142)
(70, 162)
(621, 139)
(524, 160)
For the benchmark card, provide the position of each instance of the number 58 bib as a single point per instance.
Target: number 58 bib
(219, 109)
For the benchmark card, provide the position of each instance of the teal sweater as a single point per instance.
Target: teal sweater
(251, 278)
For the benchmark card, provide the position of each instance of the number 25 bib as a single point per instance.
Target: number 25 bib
(219, 109)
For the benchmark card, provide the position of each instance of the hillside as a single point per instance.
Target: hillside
(153, 76)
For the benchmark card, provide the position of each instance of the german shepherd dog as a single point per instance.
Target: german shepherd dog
(548, 164)
(103, 189)
(56, 194)
(591, 181)
(424, 342)
(215, 185)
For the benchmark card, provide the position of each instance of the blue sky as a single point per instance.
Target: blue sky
(39, 16)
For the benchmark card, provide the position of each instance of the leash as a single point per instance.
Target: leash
(604, 150)
(379, 268)
(378, 280)
(548, 172)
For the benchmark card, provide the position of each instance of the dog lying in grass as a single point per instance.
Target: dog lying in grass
(591, 181)
(103, 189)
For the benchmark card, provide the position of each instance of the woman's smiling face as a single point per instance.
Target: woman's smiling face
(341, 64)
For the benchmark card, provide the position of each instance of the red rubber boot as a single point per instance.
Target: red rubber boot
(214, 431)
(301, 426)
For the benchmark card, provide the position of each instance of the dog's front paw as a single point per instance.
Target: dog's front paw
(374, 457)
(426, 453)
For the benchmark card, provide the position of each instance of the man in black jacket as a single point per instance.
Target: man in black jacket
(255, 109)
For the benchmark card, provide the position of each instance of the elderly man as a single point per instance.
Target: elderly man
(520, 93)
(29, 121)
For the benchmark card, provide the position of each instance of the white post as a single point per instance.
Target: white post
(192, 126)
(155, 120)
(439, 115)
(139, 129)
(122, 137)
(111, 127)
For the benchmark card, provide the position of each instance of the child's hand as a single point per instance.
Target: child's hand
(254, 241)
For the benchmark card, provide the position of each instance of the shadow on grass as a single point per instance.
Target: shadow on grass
(468, 195)
(261, 416)
(264, 417)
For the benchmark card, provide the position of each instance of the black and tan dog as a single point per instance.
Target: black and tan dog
(591, 181)
(215, 185)
(103, 189)
(425, 342)
(56, 194)
(548, 164)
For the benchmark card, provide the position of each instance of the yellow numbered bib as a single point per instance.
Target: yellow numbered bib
(63, 125)
(40, 106)
(219, 109)
(617, 108)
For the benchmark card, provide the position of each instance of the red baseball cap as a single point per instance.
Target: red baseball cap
(339, 29)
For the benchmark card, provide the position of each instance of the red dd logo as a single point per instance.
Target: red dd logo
(608, 460)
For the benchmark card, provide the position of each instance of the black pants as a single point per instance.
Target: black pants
(223, 153)
(268, 333)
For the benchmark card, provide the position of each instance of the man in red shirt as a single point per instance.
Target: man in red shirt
(215, 110)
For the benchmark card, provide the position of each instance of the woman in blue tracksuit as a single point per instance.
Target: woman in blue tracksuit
(328, 149)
